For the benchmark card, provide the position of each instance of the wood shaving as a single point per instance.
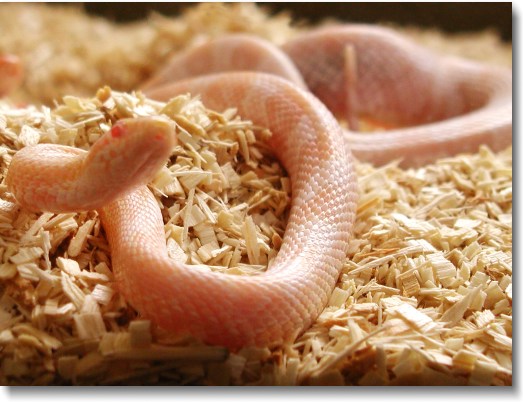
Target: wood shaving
(424, 297)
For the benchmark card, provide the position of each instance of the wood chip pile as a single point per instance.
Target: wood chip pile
(425, 295)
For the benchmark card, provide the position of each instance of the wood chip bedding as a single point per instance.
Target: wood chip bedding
(425, 295)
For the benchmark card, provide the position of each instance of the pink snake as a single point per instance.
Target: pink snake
(437, 106)
(11, 74)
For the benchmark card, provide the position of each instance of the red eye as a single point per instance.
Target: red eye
(117, 131)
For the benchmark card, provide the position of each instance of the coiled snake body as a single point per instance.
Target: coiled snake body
(445, 105)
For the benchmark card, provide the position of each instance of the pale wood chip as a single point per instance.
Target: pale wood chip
(45, 338)
(444, 269)
(26, 255)
(102, 294)
(140, 331)
(251, 240)
(69, 266)
(7, 271)
(72, 291)
(413, 316)
(338, 297)
(482, 374)
(79, 240)
(89, 325)
(455, 313)
(464, 360)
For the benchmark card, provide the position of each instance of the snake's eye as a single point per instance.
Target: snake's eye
(118, 130)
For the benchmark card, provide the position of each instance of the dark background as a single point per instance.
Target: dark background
(449, 17)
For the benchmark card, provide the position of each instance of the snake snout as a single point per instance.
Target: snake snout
(157, 130)
(159, 138)
(150, 143)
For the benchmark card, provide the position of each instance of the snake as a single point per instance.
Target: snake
(11, 73)
(430, 104)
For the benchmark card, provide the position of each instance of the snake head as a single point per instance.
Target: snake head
(131, 152)
(56, 178)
